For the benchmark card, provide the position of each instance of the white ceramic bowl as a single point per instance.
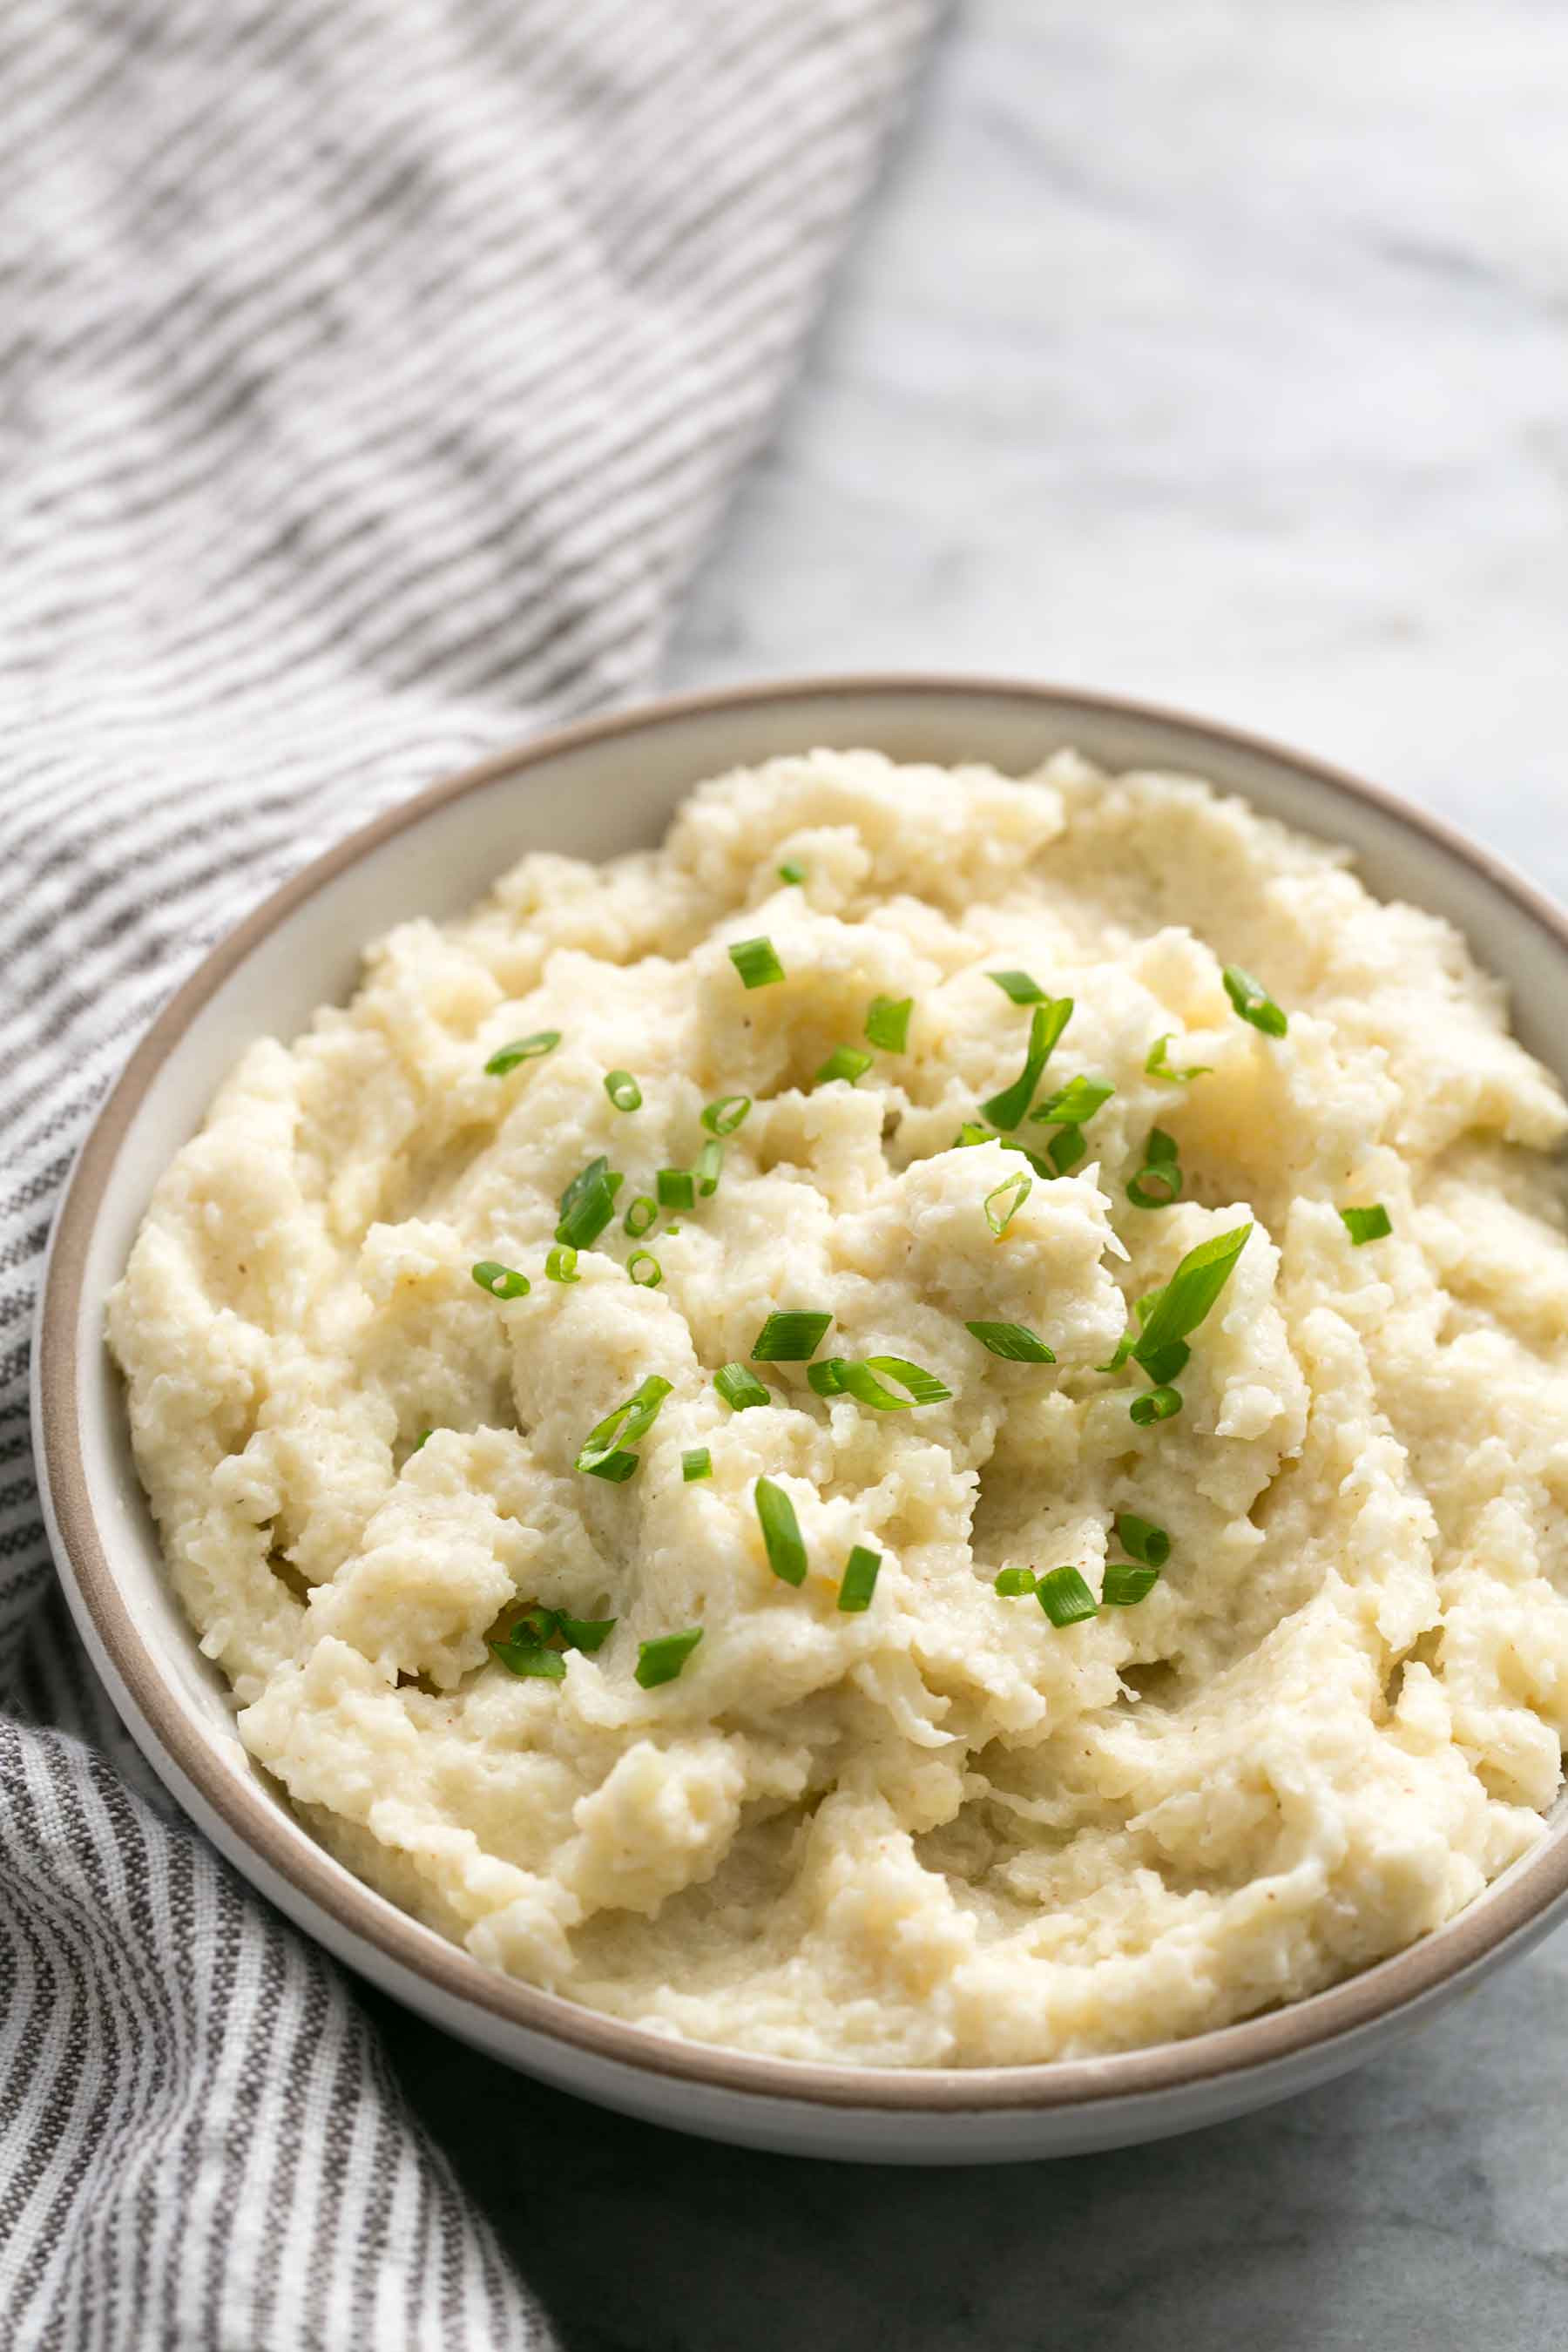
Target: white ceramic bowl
(595, 789)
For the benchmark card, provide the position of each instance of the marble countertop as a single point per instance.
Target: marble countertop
(1217, 354)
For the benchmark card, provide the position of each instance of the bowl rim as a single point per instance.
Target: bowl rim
(259, 1823)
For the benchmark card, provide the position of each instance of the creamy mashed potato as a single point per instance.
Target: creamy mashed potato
(943, 1828)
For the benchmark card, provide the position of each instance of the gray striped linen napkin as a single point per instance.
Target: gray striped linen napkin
(370, 375)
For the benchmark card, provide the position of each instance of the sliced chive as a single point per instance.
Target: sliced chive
(1065, 1596)
(1066, 1148)
(1011, 1582)
(723, 1117)
(741, 1388)
(624, 1090)
(971, 1131)
(1146, 1543)
(1155, 1404)
(676, 1187)
(1159, 1180)
(612, 1439)
(1046, 1025)
(644, 1270)
(1013, 1341)
(826, 1376)
(888, 1022)
(1122, 1586)
(1253, 1001)
(710, 1167)
(843, 1375)
(501, 1281)
(1189, 1293)
(561, 1264)
(1071, 1105)
(792, 871)
(846, 1062)
(1019, 986)
(790, 1338)
(525, 1656)
(521, 1049)
(661, 1660)
(695, 1463)
(781, 1532)
(423, 1437)
(586, 1633)
(587, 1204)
(641, 1212)
(1124, 1346)
(1004, 1202)
(1374, 1224)
(1158, 1067)
(756, 961)
(1165, 1364)
(860, 1580)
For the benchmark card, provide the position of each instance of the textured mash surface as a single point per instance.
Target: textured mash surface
(942, 1831)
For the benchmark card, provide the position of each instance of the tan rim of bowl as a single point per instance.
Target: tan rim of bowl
(258, 1820)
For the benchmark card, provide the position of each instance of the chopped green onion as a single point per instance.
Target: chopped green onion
(615, 1468)
(756, 962)
(641, 1212)
(587, 1204)
(1013, 1341)
(676, 1187)
(790, 1338)
(846, 1062)
(1066, 1148)
(561, 1264)
(624, 1090)
(626, 1427)
(1072, 1104)
(1189, 1293)
(888, 1022)
(422, 1438)
(860, 1580)
(1159, 1182)
(501, 1281)
(1065, 1596)
(523, 1655)
(1004, 1202)
(695, 1463)
(587, 1634)
(1046, 1025)
(1158, 1067)
(781, 1532)
(1155, 1404)
(1371, 1225)
(710, 1167)
(826, 1377)
(1253, 1001)
(971, 1132)
(741, 1388)
(521, 1049)
(1163, 1364)
(1122, 1586)
(1012, 1582)
(644, 1270)
(661, 1660)
(723, 1117)
(790, 871)
(1148, 1544)
(842, 1375)
(1123, 1349)
(1019, 987)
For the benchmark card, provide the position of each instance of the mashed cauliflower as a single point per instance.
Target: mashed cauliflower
(943, 1828)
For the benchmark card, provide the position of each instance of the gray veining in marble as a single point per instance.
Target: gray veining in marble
(1216, 350)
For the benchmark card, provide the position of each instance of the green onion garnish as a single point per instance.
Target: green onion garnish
(971, 1131)
(741, 1388)
(612, 1439)
(588, 1633)
(1065, 1596)
(1159, 1182)
(1142, 1539)
(641, 1212)
(1013, 1581)
(1013, 1341)
(860, 1581)
(723, 1117)
(423, 1438)
(843, 1376)
(695, 1463)
(1253, 1001)
(1155, 1404)
(676, 1187)
(1019, 987)
(1046, 1025)
(790, 871)
(1066, 1148)
(790, 1338)
(644, 1270)
(1189, 1295)
(524, 1653)
(661, 1660)
(1122, 1585)
(1158, 1067)
(561, 1264)
(1004, 1200)
(501, 1281)
(1072, 1104)
(587, 1204)
(781, 1532)
(846, 1062)
(888, 1022)
(1371, 1225)
(710, 1167)
(756, 962)
(521, 1049)
(624, 1090)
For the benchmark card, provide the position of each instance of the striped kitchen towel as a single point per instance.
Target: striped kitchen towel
(371, 374)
